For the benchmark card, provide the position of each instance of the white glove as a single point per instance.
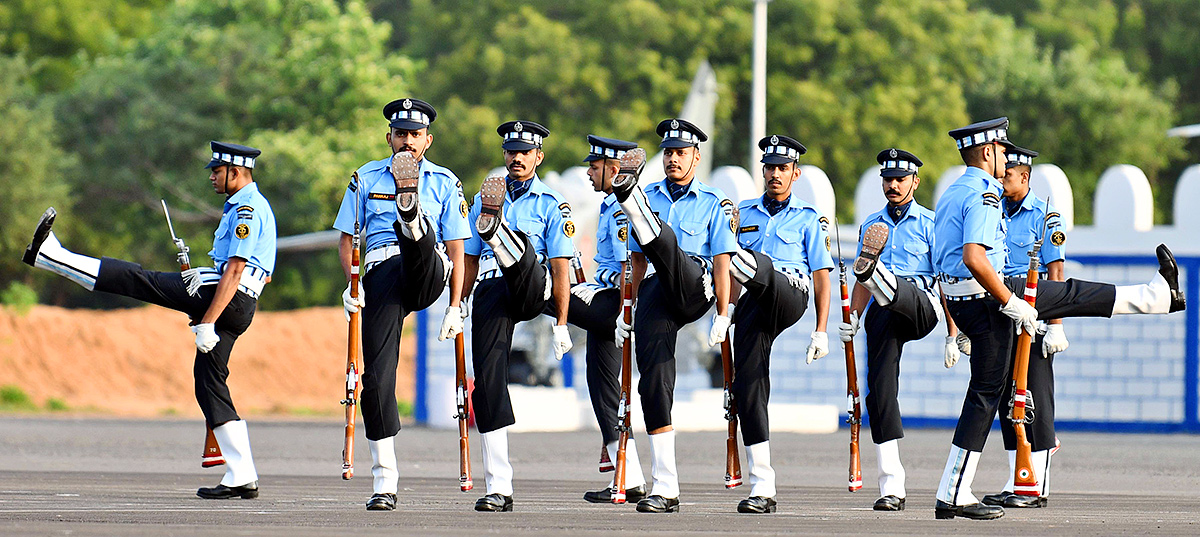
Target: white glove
(951, 353)
(720, 328)
(586, 292)
(1021, 313)
(352, 305)
(818, 347)
(206, 336)
(452, 324)
(1055, 340)
(623, 330)
(846, 331)
(562, 341)
(465, 306)
(964, 343)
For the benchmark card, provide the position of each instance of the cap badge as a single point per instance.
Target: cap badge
(892, 153)
(407, 104)
(675, 124)
(774, 140)
(518, 127)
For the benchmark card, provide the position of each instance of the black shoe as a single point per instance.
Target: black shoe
(975, 511)
(632, 495)
(382, 502)
(494, 502)
(889, 503)
(1169, 271)
(1024, 502)
(249, 491)
(39, 236)
(491, 199)
(658, 504)
(626, 180)
(406, 172)
(874, 239)
(997, 499)
(757, 504)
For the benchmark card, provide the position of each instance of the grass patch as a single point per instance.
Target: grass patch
(405, 408)
(55, 404)
(14, 398)
(19, 297)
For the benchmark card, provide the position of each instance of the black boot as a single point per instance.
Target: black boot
(889, 503)
(626, 180)
(658, 504)
(1023, 502)
(1169, 271)
(874, 239)
(997, 499)
(757, 504)
(632, 495)
(382, 502)
(494, 502)
(39, 236)
(249, 491)
(975, 511)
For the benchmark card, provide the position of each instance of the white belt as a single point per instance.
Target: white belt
(961, 288)
(252, 281)
(798, 279)
(378, 255)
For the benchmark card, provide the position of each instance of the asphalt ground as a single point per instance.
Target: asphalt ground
(118, 477)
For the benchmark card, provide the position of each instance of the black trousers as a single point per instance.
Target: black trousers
(993, 336)
(770, 305)
(911, 316)
(671, 298)
(394, 288)
(167, 289)
(603, 355)
(500, 303)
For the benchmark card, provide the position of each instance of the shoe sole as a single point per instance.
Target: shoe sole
(406, 172)
(949, 514)
(889, 507)
(632, 163)
(874, 239)
(247, 495)
(488, 509)
(491, 199)
(1165, 257)
(39, 236)
(770, 509)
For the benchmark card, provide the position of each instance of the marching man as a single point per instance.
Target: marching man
(896, 289)
(782, 241)
(220, 308)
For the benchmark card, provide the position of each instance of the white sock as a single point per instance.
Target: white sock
(743, 266)
(633, 467)
(497, 470)
(1041, 469)
(80, 269)
(384, 470)
(414, 230)
(507, 246)
(891, 472)
(955, 486)
(762, 476)
(234, 439)
(662, 464)
(882, 285)
(646, 226)
(1153, 297)
(1012, 471)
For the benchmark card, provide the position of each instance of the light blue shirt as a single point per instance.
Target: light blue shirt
(439, 192)
(542, 214)
(795, 238)
(247, 230)
(701, 219)
(1027, 226)
(969, 213)
(909, 250)
(611, 235)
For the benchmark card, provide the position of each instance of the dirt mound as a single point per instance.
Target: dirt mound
(138, 362)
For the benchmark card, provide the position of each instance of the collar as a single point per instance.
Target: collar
(536, 186)
(664, 187)
(898, 212)
(773, 206)
(244, 195)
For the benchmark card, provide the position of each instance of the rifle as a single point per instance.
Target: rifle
(1025, 482)
(212, 450)
(577, 268)
(353, 349)
(623, 404)
(853, 408)
(733, 463)
(460, 395)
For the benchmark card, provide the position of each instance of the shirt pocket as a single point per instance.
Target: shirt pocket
(693, 236)
(916, 252)
(790, 245)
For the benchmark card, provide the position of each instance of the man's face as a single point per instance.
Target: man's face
(521, 165)
(999, 160)
(778, 178)
(1016, 182)
(415, 142)
(899, 190)
(680, 162)
(216, 175)
(601, 172)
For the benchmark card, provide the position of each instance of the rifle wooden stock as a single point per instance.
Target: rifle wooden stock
(623, 403)
(460, 397)
(853, 408)
(1025, 482)
(733, 463)
(353, 349)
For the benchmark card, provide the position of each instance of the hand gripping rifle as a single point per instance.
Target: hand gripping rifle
(1025, 481)
(853, 408)
(191, 280)
(623, 411)
(460, 398)
(353, 350)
